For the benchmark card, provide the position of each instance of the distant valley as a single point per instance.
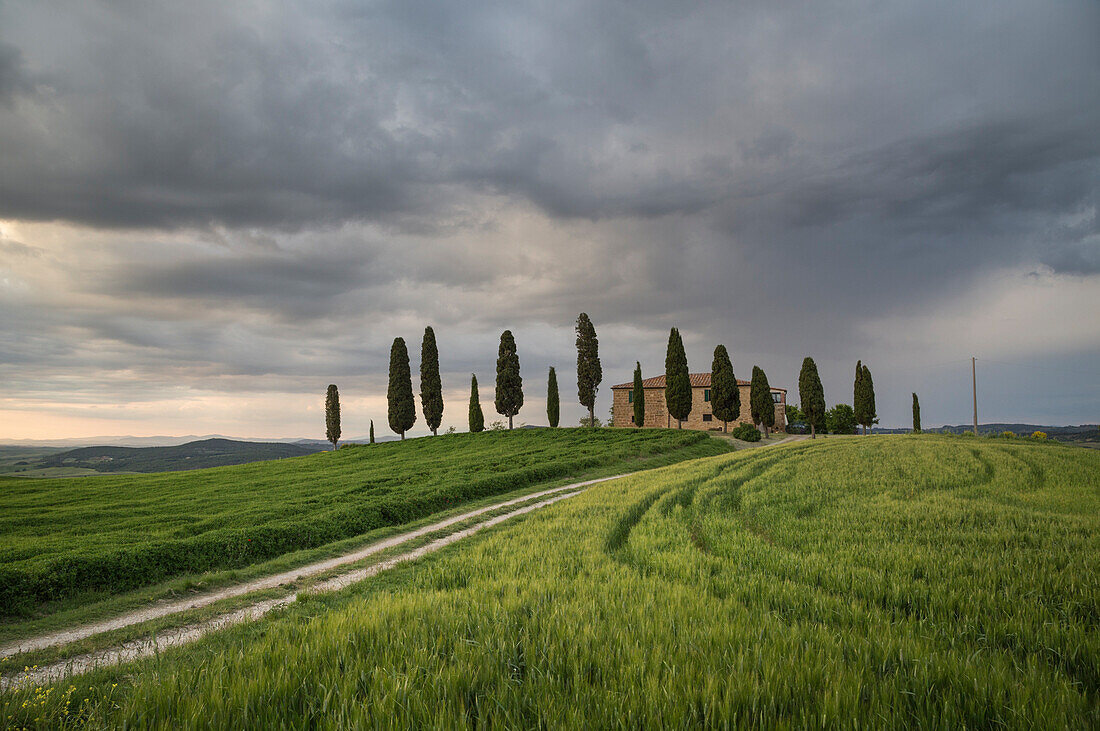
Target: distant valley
(214, 452)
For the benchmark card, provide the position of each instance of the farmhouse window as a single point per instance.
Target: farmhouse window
(630, 397)
(706, 397)
(777, 397)
(708, 417)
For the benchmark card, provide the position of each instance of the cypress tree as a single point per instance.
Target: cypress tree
(858, 396)
(372, 431)
(725, 396)
(677, 381)
(916, 415)
(332, 415)
(589, 372)
(399, 395)
(509, 396)
(811, 394)
(553, 406)
(639, 396)
(869, 399)
(431, 388)
(760, 400)
(477, 419)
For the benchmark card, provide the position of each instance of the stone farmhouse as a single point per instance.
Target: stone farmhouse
(656, 413)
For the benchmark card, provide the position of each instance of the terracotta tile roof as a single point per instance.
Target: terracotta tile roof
(698, 380)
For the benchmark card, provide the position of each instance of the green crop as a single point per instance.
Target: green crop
(900, 581)
(59, 538)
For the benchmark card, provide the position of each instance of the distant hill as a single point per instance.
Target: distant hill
(161, 441)
(190, 456)
(1081, 433)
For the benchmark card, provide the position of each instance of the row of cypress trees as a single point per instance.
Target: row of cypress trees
(725, 395)
(863, 397)
(508, 400)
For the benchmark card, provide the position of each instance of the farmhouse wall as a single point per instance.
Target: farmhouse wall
(656, 414)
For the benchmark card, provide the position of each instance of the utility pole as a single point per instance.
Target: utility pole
(974, 381)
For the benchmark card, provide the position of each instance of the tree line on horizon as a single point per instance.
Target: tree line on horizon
(726, 395)
(508, 397)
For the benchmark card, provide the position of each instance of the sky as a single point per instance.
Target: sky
(210, 211)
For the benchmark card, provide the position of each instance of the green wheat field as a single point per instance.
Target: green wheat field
(893, 581)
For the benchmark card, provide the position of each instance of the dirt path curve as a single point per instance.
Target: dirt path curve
(156, 611)
(176, 636)
(182, 635)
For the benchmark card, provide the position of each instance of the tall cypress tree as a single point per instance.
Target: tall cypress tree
(553, 405)
(589, 372)
(332, 415)
(811, 394)
(477, 419)
(869, 399)
(399, 395)
(677, 381)
(725, 396)
(639, 396)
(509, 395)
(916, 415)
(431, 387)
(372, 431)
(858, 395)
(760, 400)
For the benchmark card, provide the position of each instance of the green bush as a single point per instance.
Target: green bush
(746, 433)
(841, 419)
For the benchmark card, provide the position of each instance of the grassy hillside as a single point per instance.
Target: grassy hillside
(191, 456)
(885, 582)
(59, 538)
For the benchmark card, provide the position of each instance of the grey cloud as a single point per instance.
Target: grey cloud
(246, 279)
(13, 76)
(764, 175)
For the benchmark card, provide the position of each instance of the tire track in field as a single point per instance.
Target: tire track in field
(619, 535)
(145, 614)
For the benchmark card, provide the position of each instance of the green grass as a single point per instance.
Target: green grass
(68, 539)
(895, 581)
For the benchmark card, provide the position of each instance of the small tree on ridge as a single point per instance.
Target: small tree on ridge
(677, 380)
(589, 372)
(332, 415)
(553, 403)
(431, 387)
(477, 418)
(725, 396)
(760, 400)
(811, 394)
(509, 394)
(638, 396)
(399, 395)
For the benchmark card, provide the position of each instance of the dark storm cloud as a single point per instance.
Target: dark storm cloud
(295, 285)
(279, 189)
(13, 79)
(327, 112)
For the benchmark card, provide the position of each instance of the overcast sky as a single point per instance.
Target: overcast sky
(210, 211)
